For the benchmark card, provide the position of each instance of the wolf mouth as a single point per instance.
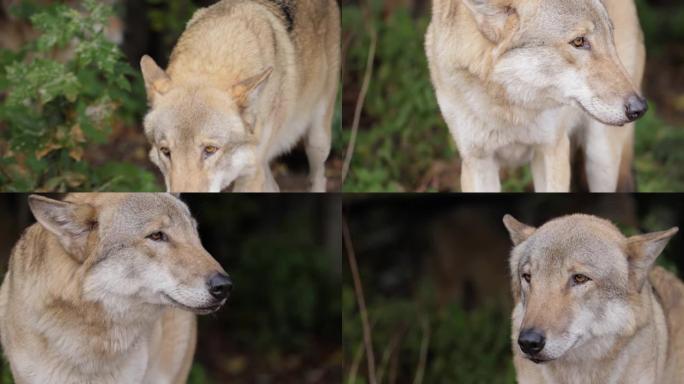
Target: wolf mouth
(199, 310)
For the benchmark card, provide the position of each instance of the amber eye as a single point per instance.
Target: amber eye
(527, 277)
(158, 236)
(165, 151)
(581, 42)
(580, 279)
(210, 150)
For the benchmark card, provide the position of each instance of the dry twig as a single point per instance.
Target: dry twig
(358, 291)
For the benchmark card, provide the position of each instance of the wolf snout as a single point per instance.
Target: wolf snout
(635, 107)
(220, 286)
(531, 341)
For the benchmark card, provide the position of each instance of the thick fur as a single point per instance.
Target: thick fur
(513, 90)
(88, 298)
(248, 79)
(624, 325)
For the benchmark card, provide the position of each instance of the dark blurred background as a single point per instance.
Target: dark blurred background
(436, 280)
(282, 323)
(403, 143)
(116, 145)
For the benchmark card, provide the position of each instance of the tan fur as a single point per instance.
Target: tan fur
(503, 112)
(82, 302)
(244, 86)
(624, 325)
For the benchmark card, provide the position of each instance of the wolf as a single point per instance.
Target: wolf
(246, 81)
(530, 81)
(104, 289)
(590, 307)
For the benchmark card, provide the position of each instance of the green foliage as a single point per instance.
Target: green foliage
(65, 90)
(464, 346)
(170, 17)
(5, 373)
(307, 292)
(659, 162)
(661, 25)
(402, 132)
(198, 375)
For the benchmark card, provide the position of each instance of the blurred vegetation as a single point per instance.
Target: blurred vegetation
(64, 91)
(440, 263)
(282, 323)
(404, 145)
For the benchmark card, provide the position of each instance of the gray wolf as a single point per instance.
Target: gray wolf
(590, 307)
(246, 81)
(529, 81)
(104, 288)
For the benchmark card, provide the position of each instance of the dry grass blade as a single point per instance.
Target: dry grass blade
(360, 101)
(358, 291)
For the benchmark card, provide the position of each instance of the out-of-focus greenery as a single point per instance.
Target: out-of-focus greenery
(169, 17)
(402, 132)
(64, 91)
(403, 141)
(463, 346)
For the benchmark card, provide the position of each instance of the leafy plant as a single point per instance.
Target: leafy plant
(63, 93)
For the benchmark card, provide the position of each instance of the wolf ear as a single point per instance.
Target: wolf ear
(642, 252)
(519, 232)
(157, 82)
(247, 91)
(491, 16)
(71, 223)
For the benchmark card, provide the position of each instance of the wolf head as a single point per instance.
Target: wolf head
(201, 135)
(558, 52)
(578, 284)
(135, 249)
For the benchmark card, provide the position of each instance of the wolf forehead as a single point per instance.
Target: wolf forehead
(136, 206)
(579, 237)
(184, 115)
(562, 17)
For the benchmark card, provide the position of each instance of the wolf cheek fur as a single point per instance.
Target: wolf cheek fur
(590, 307)
(240, 90)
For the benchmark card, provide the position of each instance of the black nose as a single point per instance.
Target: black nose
(220, 286)
(531, 341)
(635, 107)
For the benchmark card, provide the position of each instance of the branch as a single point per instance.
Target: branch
(358, 291)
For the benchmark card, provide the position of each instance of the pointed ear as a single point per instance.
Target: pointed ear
(247, 91)
(71, 223)
(491, 16)
(157, 82)
(519, 232)
(642, 252)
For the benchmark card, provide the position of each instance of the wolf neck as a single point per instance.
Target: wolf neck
(476, 57)
(637, 357)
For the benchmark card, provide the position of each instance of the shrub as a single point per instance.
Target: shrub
(63, 93)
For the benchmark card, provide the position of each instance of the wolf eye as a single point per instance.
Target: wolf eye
(158, 236)
(580, 279)
(165, 151)
(527, 277)
(581, 43)
(210, 150)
